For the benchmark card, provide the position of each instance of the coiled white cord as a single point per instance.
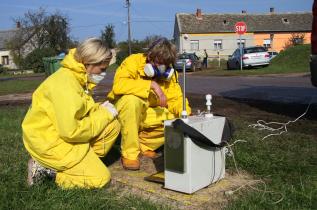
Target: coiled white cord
(263, 125)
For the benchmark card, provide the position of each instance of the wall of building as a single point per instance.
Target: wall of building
(279, 41)
(206, 41)
(11, 64)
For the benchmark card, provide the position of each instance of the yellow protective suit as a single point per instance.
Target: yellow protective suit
(66, 130)
(140, 116)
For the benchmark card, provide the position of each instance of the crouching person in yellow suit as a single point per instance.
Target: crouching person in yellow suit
(65, 131)
(146, 92)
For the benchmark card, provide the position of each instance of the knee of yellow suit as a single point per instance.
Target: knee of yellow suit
(130, 102)
(89, 173)
(104, 142)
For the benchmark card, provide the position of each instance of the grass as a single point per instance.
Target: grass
(14, 193)
(18, 86)
(286, 163)
(292, 60)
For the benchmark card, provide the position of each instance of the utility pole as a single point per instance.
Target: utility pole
(129, 26)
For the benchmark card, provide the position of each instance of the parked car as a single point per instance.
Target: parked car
(192, 62)
(272, 54)
(313, 61)
(251, 56)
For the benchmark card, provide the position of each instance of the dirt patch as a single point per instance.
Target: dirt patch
(16, 99)
(214, 196)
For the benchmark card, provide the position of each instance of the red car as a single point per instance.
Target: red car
(313, 62)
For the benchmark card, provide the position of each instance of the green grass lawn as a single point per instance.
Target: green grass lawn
(18, 86)
(286, 163)
(14, 193)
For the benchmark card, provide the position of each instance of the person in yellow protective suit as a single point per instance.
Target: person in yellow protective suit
(146, 92)
(64, 130)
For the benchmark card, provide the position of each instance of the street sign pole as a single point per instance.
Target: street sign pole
(240, 45)
(240, 28)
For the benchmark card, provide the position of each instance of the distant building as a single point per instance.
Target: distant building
(6, 58)
(215, 32)
(29, 44)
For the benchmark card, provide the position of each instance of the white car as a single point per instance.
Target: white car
(251, 56)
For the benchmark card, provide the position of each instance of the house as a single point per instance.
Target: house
(216, 34)
(25, 47)
(6, 58)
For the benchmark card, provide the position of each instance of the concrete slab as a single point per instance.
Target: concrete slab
(212, 197)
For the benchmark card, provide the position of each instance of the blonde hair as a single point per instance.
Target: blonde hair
(92, 51)
(162, 51)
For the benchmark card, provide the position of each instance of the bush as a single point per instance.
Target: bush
(34, 59)
(121, 55)
(136, 47)
(3, 70)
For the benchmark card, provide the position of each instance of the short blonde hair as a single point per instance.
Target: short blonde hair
(92, 51)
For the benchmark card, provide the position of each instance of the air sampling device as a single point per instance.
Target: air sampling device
(194, 150)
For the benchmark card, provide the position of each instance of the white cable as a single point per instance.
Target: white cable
(263, 125)
(250, 183)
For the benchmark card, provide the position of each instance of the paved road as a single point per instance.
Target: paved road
(287, 89)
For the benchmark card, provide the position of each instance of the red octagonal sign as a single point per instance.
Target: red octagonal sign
(240, 28)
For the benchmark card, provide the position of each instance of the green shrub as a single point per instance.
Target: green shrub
(34, 59)
(3, 70)
(121, 55)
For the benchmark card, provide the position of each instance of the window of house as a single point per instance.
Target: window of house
(5, 60)
(218, 44)
(242, 42)
(267, 43)
(194, 45)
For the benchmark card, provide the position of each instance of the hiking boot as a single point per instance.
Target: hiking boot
(37, 173)
(149, 154)
(130, 164)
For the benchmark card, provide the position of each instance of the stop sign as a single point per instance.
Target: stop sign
(240, 27)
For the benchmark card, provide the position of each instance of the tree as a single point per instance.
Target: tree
(107, 36)
(28, 35)
(136, 46)
(56, 32)
(295, 39)
(39, 30)
(149, 39)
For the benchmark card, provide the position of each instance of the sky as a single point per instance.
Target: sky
(148, 17)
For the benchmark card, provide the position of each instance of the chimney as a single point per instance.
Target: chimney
(198, 14)
(18, 24)
(272, 10)
(244, 12)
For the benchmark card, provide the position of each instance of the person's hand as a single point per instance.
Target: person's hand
(110, 107)
(158, 91)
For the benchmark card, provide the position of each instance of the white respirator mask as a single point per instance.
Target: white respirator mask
(161, 71)
(96, 78)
